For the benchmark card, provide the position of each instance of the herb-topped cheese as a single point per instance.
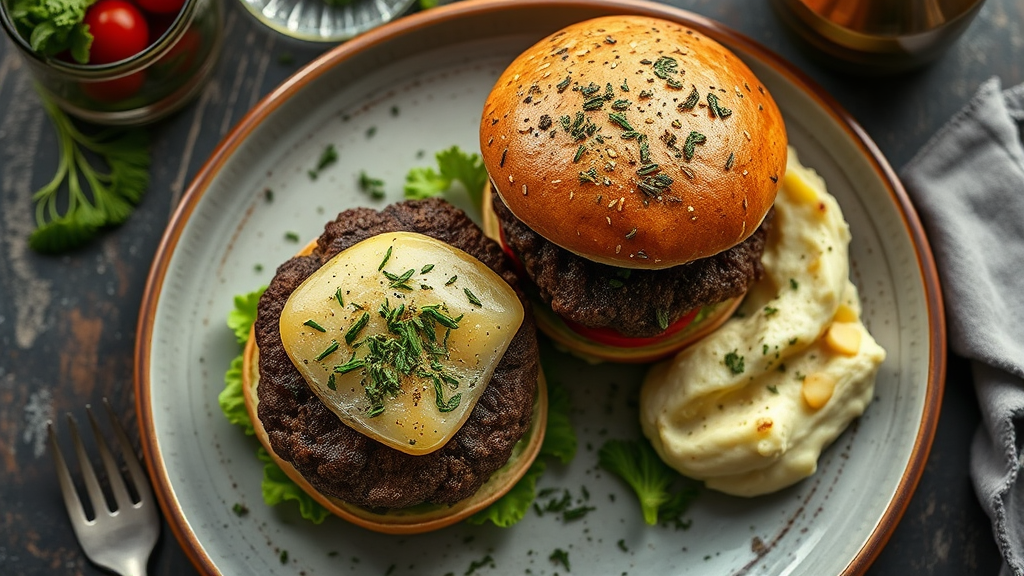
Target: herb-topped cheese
(399, 335)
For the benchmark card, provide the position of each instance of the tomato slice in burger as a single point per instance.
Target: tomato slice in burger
(520, 269)
(602, 335)
(612, 337)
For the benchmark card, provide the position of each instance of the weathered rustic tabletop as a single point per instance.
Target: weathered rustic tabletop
(67, 323)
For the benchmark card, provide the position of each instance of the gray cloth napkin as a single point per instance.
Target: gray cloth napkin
(968, 186)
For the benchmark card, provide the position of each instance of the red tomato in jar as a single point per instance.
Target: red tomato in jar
(115, 90)
(161, 6)
(181, 58)
(118, 29)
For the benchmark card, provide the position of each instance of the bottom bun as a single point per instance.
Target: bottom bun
(565, 338)
(415, 519)
(593, 352)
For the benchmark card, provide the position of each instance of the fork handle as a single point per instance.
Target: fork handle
(133, 567)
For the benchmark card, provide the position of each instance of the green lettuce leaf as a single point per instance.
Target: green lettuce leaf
(243, 315)
(453, 165)
(232, 399)
(53, 26)
(422, 183)
(512, 507)
(467, 169)
(636, 462)
(559, 442)
(559, 436)
(276, 485)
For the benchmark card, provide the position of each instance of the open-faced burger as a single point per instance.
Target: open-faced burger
(394, 373)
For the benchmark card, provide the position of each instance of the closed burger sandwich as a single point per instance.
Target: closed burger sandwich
(634, 163)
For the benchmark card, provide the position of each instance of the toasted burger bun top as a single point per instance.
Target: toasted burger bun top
(634, 142)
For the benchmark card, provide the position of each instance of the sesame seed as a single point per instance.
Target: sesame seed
(556, 181)
(744, 172)
(510, 178)
(747, 134)
(571, 194)
(609, 219)
(621, 200)
(612, 153)
(613, 203)
(524, 189)
(689, 208)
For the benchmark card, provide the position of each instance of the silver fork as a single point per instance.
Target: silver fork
(121, 539)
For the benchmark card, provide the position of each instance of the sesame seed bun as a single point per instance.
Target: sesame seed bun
(634, 142)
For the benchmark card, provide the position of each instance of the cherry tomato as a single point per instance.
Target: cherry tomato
(161, 6)
(182, 56)
(110, 91)
(118, 29)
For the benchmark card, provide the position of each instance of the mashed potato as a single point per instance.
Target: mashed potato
(750, 408)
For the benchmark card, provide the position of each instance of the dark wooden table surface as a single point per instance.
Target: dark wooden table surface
(67, 324)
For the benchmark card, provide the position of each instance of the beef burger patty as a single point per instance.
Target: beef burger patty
(340, 462)
(599, 295)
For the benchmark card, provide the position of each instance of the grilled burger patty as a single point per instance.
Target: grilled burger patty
(598, 295)
(340, 462)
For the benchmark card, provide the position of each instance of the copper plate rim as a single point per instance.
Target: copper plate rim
(379, 36)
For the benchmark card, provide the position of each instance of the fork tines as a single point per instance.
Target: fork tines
(119, 537)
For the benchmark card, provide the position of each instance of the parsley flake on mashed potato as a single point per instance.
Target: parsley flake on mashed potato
(750, 408)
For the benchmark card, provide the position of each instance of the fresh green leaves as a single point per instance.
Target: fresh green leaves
(113, 194)
(232, 398)
(512, 507)
(559, 436)
(638, 464)
(453, 165)
(559, 442)
(277, 486)
(53, 26)
(243, 315)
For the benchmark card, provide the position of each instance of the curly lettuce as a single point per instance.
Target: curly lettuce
(636, 462)
(276, 486)
(559, 443)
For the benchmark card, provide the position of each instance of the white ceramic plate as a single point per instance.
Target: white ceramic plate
(388, 100)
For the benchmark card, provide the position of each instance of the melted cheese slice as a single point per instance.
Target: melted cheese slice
(410, 273)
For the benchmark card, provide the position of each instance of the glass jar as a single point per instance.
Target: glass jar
(140, 89)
